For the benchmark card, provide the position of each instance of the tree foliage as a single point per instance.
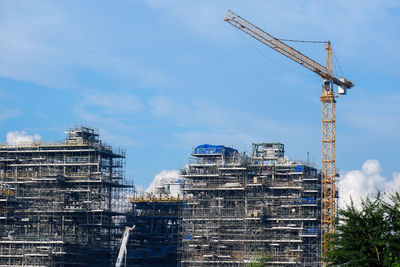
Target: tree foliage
(259, 261)
(369, 236)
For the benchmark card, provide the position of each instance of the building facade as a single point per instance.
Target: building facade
(241, 209)
(156, 237)
(63, 209)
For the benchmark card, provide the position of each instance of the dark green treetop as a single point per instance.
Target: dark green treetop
(369, 236)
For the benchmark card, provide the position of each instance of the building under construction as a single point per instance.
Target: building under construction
(59, 205)
(243, 209)
(156, 236)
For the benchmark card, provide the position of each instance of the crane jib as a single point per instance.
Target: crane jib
(283, 48)
(271, 41)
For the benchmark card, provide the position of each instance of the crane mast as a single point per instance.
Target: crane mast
(328, 100)
(328, 158)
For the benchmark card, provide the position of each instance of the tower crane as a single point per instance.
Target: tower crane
(328, 100)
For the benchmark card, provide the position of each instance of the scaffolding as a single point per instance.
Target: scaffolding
(241, 209)
(156, 237)
(64, 207)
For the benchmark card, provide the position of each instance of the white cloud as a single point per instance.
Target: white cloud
(113, 113)
(373, 113)
(207, 122)
(162, 184)
(201, 17)
(8, 113)
(353, 21)
(50, 45)
(164, 106)
(208, 114)
(15, 138)
(393, 185)
(140, 189)
(34, 43)
(358, 184)
(112, 103)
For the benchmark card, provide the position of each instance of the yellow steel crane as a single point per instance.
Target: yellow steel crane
(327, 97)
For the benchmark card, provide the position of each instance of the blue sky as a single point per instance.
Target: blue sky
(160, 77)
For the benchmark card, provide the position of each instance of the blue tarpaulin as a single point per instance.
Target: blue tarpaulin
(189, 236)
(207, 149)
(311, 230)
(299, 168)
(305, 200)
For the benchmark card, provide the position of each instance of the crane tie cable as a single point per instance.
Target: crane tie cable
(302, 41)
(270, 59)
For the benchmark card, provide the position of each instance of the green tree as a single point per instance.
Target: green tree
(259, 261)
(392, 208)
(369, 236)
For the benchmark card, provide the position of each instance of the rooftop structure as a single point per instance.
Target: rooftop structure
(62, 211)
(239, 208)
